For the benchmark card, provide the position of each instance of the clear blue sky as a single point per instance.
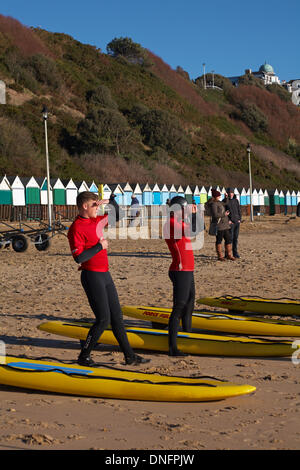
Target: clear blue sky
(229, 36)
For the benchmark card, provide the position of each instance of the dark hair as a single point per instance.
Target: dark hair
(84, 197)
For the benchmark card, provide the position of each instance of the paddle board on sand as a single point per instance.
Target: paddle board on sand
(212, 321)
(113, 383)
(254, 304)
(191, 343)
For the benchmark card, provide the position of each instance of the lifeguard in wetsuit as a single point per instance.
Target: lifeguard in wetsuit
(177, 231)
(89, 248)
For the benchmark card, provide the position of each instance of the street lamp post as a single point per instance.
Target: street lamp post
(250, 181)
(45, 116)
(204, 78)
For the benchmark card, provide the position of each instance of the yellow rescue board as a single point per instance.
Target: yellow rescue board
(223, 322)
(113, 383)
(191, 343)
(254, 304)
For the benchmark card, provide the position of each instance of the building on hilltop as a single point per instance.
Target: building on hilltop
(265, 73)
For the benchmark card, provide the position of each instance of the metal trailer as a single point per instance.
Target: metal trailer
(40, 237)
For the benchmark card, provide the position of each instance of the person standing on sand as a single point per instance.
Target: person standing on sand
(233, 206)
(89, 248)
(181, 224)
(219, 216)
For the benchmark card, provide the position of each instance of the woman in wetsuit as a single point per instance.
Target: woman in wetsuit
(182, 222)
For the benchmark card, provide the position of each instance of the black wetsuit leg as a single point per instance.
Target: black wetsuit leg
(103, 299)
(183, 304)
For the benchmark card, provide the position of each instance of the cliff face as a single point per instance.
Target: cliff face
(111, 118)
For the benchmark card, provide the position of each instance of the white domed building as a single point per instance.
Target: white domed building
(265, 73)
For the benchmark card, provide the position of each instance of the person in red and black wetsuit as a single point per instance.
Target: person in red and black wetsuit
(89, 248)
(182, 222)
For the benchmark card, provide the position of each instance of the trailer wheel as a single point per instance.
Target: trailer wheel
(19, 243)
(42, 242)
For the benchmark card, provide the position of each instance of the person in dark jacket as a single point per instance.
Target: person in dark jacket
(219, 215)
(233, 206)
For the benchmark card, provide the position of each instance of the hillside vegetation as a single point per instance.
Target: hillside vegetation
(125, 115)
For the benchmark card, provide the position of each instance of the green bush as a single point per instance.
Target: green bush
(104, 130)
(253, 117)
(101, 97)
(161, 129)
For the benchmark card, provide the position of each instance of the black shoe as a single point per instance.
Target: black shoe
(135, 360)
(177, 353)
(85, 361)
(236, 255)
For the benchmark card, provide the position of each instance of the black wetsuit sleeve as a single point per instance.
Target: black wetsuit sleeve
(197, 223)
(88, 254)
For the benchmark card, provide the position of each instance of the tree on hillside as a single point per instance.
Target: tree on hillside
(125, 47)
(161, 129)
(105, 130)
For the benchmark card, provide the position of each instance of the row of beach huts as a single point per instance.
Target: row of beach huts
(26, 192)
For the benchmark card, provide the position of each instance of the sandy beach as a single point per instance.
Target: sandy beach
(39, 286)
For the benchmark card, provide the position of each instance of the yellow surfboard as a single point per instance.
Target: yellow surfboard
(113, 383)
(191, 343)
(223, 322)
(254, 304)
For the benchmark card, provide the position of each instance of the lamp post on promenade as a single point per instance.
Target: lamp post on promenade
(250, 181)
(45, 116)
(204, 78)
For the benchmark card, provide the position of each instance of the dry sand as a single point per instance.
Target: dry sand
(38, 286)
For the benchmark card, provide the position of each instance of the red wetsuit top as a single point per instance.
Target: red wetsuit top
(83, 234)
(176, 235)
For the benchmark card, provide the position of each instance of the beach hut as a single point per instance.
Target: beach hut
(223, 192)
(18, 191)
(106, 190)
(118, 192)
(138, 193)
(208, 192)
(59, 192)
(237, 194)
(180, 191)
(44, 191)
(298, 197)
(294, 202)
(188, 194)
(196, 194)
(274, 202)
(266, 202)
(165, 194)
(127, 193)
(32, 190)
(287, 202)
(282, 202)
(5, 191)
(147, 194)
(81, 186)
(156, 195)
(94, 188)
(203, 195)
(173, 191)
(261, 199)
(71, 191)
(243, 197)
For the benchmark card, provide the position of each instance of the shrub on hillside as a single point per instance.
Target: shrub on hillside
(17, 148)
(253, 117)
(105, 130)
(101, 97)
(161, 129)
